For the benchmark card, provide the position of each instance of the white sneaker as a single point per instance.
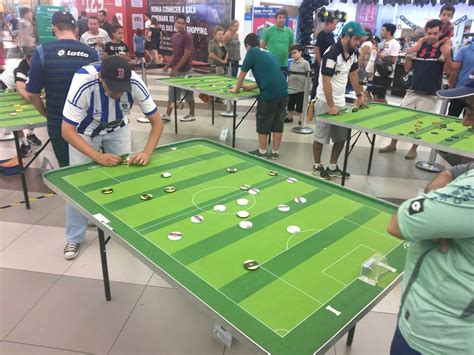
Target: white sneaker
(187, 118)
(165, 117)
(71, 250)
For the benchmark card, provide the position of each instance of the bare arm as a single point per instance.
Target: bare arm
(328, 90)
(393, 227)
(70, 135)
(363, 55)
(440, 181)
(227, 37)
(455, 68)
(21, 88)
(37, 102)
(408, 64)
(240, 80)
(262, 44)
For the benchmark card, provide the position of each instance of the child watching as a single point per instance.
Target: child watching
(218, 54)
(273, 97)
(139, 45)
(447, 30)
(295, 81)
(116, 46)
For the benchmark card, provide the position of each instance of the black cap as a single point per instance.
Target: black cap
(116, 73)
(63, 17)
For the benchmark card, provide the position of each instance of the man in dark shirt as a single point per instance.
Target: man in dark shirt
(52, 67)
(82, 25)
(324, 40)
(181, 64)
(104, 24)
(428, 66)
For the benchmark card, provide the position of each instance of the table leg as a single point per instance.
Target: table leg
(346, 157)
(175, 111)
(350, 336)
(103, 259)
(372, 144)
(212, 108)
(234, 123)
(22, 170)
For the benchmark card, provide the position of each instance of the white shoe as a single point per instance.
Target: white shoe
(71, 250)
(165, 117)
(187, 118)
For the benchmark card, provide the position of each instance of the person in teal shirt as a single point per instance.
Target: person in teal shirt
(273, 98)
(437, 305)
(278, 39)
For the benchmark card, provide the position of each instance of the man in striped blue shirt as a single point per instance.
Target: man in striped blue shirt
(52, 68)
(95, 117)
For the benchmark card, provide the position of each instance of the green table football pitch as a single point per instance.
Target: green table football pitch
(289, 304)
(211, 84)
(412, 125)
(16, 113)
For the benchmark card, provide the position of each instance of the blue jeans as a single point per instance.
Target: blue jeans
(118, 143)
(400, 345)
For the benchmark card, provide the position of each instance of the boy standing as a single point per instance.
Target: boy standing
(94, 117)
(218, 53)
(273, 99)
(117, 46)
(295, 102)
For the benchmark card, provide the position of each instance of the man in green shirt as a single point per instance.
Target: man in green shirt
(278, 39)
(437, 305)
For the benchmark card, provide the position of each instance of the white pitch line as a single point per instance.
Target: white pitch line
(295, 234)
(331, 277)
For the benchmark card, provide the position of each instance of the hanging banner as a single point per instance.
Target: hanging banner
(366, 15)
(201, 18)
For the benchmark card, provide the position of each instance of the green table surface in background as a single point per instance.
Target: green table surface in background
(281, 307)
(214, 85)
(419, 127)
(26, 116)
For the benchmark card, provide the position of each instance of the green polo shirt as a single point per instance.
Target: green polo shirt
(278, 41)
(437, 308)
(270, 80)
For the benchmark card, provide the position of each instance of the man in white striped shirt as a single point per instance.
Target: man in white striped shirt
(95, 117)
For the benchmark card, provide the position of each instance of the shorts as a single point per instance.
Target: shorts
(139, 54)
(419, 102)
(295, 102)
(271, 115)
(323, 132)
(381, 85)
(188, 95)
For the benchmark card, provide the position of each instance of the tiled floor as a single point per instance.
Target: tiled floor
(52, 306)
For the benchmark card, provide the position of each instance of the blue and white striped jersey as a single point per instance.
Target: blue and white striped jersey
(89, 109)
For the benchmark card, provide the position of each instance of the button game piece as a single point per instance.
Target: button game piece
(242, 202)
(273, 173)
(300, 200)
(417, 137)
(170, 189)
(434, 132)
(146, 197)
(197, 218)
(245, 187)
(107, 191)
(251, 265)
(293, 229)
(165, 175)
(219, 208)
(231, 170)
(254, 191)
(283, 208)
(243, 214)
(245, 224)
(291, 180)
(174, 236)
(13, 114)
